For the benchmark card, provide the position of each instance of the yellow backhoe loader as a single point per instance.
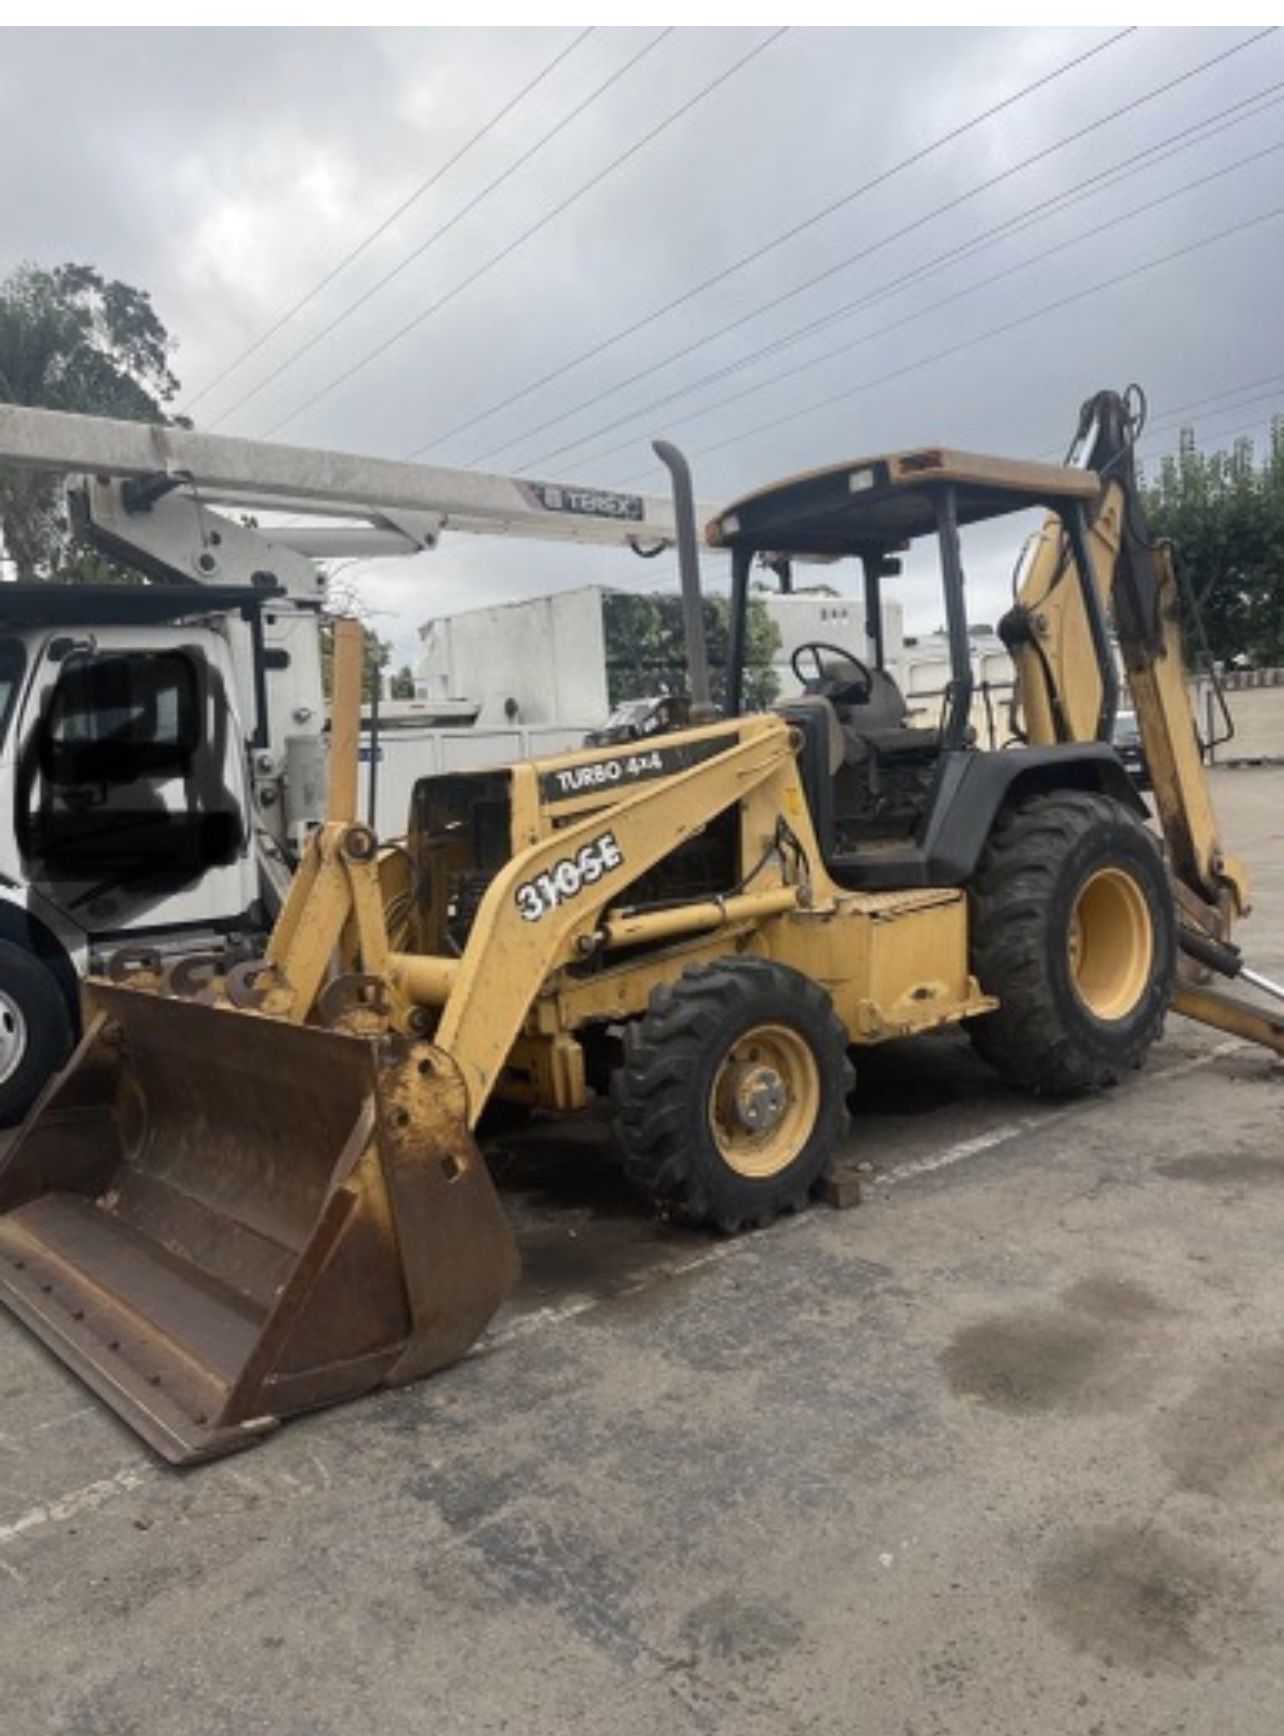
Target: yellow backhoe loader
(255, 1190)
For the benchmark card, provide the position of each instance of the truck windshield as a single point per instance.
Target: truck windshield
(13, 660)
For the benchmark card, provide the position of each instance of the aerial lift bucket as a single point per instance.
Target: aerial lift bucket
(218, 1219)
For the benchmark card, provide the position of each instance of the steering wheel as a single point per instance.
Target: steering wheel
(814, 648)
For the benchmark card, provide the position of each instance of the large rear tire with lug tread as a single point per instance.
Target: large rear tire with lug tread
(1073, 928)
(732, 1095)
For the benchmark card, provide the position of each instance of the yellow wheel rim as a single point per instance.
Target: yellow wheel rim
(765, 1101)
(1111, 944)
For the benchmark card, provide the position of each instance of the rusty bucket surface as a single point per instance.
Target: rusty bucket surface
(219, 1219)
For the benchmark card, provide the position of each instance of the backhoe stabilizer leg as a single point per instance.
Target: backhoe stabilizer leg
(1230, 1013)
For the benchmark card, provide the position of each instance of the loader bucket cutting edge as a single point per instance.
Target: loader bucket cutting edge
(218, 1219)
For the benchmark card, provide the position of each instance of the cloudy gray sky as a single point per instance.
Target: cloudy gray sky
(229, 171)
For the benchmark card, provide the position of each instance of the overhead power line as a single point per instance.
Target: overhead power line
(1053, 204)
(362, 246)
(1263, 424)
(819, 404)
(443, 229)
(1170, 415)
(1174, 418)
(779, 240)
(1174, 422)
(531, 230)
(826, 360)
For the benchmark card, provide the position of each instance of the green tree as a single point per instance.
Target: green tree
(71, 339)
(1224, 514)
(402, 685)
(645, 647)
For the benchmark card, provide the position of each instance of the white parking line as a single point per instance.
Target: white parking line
(557, 1314)
(77, 1501)
(966, 1148)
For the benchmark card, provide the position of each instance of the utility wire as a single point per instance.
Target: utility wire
(978, 338)
(1174, 423)
(826, 360)
(1171, 411)
(1265, 424)
(443, 229)
(355, 253)
(533, 229)
(1052, 205)
(1176, 418)
(767, 247)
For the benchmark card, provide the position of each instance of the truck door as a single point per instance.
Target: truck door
(129, 805)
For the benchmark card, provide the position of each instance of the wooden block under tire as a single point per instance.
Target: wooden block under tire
(839, 1187)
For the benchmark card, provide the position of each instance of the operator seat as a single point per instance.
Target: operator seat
(871, 718)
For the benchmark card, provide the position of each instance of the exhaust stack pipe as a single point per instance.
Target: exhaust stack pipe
(703, 709)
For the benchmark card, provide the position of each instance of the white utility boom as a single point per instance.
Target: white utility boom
(162, 747)
(405, 506)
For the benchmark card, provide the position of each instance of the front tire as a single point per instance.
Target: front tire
(35, 1030)
(1073, 929)
(732, 1096)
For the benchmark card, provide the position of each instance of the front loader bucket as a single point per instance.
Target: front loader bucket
(219, 1219)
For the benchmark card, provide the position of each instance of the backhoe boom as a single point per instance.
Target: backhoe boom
(1059, 675)
(1064, 686)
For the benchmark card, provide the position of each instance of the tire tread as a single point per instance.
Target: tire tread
(662, 1050)
(1028, 1039)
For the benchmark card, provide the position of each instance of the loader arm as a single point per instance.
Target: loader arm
(550, 906)
(525, 929)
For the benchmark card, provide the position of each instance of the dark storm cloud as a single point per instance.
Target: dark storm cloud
(226, 171)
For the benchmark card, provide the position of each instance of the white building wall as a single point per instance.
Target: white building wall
(924, 675)
(536, 662)
(841, 620)
(543, 661)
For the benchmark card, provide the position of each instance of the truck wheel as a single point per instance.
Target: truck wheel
(732, 1095)
(1073, 929)
(35, 1030)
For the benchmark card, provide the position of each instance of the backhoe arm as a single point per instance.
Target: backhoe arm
(1064, 695)
(1060, 681)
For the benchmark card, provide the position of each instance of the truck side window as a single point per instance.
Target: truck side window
(125, 785)
(120, 718)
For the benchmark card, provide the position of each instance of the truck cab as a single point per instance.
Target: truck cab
(126, 815)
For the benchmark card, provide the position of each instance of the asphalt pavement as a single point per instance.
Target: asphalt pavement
(1001, 1451)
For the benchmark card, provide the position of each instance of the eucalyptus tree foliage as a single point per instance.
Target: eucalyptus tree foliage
(71, 339)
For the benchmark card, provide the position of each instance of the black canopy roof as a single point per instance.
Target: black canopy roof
(872, 504)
